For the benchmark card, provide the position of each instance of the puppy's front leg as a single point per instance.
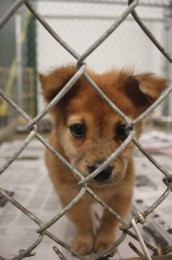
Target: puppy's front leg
(109, 224)
(80, 215)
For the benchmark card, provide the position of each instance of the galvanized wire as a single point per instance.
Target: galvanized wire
(33, 133)
(146, 254)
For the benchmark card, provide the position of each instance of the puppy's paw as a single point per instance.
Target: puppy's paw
(83, 244)
(102, 243)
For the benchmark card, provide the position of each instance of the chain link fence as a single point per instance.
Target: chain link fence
(80, 61)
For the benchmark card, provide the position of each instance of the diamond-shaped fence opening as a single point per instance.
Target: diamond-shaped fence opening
(20, 100)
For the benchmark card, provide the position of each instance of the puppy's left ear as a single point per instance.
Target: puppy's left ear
(52, 83)
(144, 89)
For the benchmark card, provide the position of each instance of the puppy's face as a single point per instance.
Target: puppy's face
(88, 131)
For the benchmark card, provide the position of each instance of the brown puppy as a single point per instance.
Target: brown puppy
(86, 132)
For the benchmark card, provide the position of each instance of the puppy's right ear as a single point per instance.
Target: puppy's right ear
(52, 83)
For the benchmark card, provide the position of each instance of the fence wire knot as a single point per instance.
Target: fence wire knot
(141, 218)
(168, 181)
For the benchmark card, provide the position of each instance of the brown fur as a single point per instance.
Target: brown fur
(132, 94)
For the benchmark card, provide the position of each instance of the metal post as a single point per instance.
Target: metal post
(19, 65)
(166, 108)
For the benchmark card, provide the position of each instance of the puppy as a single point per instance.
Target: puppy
(86, 132)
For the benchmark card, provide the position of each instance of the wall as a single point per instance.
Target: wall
(80, 24)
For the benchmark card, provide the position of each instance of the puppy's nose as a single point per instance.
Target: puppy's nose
(103, 175)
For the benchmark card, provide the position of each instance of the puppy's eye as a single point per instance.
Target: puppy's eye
(78, 130)
(121, 132)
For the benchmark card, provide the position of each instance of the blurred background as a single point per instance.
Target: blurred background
(26, 48)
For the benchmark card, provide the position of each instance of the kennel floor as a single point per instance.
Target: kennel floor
(28, 182)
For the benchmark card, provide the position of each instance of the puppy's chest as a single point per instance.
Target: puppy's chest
(105, 192)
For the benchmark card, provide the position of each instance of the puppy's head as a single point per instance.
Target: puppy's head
(88, 131)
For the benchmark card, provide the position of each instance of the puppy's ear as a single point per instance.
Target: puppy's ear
(52, 83)
(144, 89)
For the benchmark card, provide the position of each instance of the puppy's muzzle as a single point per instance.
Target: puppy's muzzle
(103, 175)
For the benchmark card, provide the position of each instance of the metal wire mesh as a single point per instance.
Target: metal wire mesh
(140, 217)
